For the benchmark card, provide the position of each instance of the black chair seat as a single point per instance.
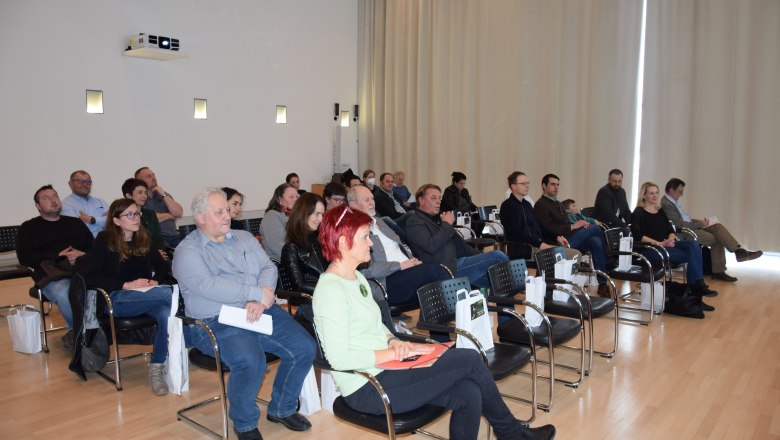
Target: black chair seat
(601, 307)
(206, 362)
(563, 330)
(637, 275)
(403, 422)
(398, 309)
(130, 323)
(481, 242)
(503, 359)
(12, 271)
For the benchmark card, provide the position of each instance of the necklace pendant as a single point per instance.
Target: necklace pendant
(363, 290)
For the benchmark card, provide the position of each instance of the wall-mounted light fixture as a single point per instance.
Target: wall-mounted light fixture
(201, 109)
(355, 114)
(95, 101)
(344, 120)
(336, 111)
(281, 114)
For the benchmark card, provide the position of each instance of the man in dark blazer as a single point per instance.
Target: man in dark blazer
(387, 203)
(433, 239)
(611, 207)
(392, 262)
(711, 234)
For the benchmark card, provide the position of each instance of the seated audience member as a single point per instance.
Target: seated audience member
(217, 266)
(574, 214)
(121, 261)
(392, 263)
(456, 197)
(301, 255)
(135, 189)
(295, 181)
(353, 337)
(649, 224)
(714, 235)
(335, 195)
(434, 240)
(275, 218)
(236, 203)
(400, 190)
(80, 204)
(161, 202)
(353, 182)
(556, 228)
(369, 179)
(387, 204)
(611, 206)
(521, 231)
(53, 237)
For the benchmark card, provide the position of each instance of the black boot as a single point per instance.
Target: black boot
(699, 288)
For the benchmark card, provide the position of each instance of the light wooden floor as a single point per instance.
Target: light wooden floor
(679, 378)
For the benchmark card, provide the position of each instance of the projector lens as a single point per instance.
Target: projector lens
(164, 42)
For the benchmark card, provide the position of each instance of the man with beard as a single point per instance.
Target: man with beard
(57, 238)
(611, 207)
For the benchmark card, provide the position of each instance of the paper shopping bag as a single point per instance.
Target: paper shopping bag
(25, 328)
(564, 270)
(310, 395)
(471, 315)
(658, 296)
(535, 290)
(177, 367)
(624, 261)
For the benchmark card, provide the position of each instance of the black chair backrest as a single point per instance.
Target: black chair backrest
(284, 281)
(484, 212)
(589, 211)
(254, 225)
(613, 237)
(8, 238)
(184, 230)
(546, 259)
(438, 299)
(507, 279)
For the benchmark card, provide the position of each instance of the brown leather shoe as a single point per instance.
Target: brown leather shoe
(746, 255)
(723, 276)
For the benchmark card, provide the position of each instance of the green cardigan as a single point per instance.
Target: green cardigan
(349, 325)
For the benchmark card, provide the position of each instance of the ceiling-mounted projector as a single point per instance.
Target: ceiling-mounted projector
(156, 41)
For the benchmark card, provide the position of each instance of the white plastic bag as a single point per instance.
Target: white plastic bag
(177, 367)
(25, 328)
(564, 270)
(310, 395)
(535, 290)
(658, 296)
(471, 315)
(624, 261)
(329, 390)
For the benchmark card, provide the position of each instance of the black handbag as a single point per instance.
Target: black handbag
(682, 302)
(94, 350)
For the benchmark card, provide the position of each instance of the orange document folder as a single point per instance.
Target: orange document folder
(422, 361)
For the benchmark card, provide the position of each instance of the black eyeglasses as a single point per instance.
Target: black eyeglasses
(131, 215)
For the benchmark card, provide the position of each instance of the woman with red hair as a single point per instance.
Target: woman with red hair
(353, 337)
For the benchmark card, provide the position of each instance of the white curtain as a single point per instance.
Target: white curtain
(712, 110)
(487, 87)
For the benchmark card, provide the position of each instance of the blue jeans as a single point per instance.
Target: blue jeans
(402, 285)
(57, 292)
(684, 251)
(591, 239)
(475, 267)
(243, 351)
(156, 303)
(459, 380)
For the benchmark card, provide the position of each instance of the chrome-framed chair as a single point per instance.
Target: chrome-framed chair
(507, 280)
(645, 273)
(593, 306)
(438, 302)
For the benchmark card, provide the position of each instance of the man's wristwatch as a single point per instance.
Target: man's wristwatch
(92, 220)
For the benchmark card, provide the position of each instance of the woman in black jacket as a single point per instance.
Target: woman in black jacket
(302, 256)
(123, 263)
(456, 197)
